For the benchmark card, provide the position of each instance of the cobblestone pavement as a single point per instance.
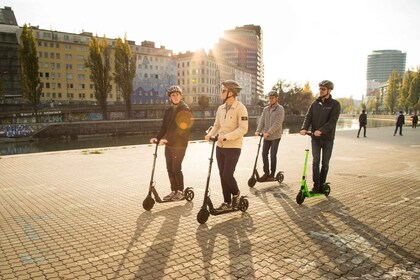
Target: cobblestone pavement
(79, 215)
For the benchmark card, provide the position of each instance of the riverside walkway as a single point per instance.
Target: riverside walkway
(78, 215)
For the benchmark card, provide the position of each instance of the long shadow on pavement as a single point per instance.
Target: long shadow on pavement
(158, 249)
(239, 247)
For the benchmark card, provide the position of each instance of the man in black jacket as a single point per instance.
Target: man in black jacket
(362, 123)
(174, 132)
(399, 122)
(322, 118)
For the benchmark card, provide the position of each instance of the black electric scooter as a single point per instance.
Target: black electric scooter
(255, 177)
(149, 201)
(208, 208)
(304, 192)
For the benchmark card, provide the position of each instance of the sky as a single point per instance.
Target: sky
(303, 40)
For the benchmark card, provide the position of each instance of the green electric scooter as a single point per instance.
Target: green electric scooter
(304, 191)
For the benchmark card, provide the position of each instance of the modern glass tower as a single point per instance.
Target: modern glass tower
(380, 65)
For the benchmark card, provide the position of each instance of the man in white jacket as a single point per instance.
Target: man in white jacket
(231, 124)
(271, 127)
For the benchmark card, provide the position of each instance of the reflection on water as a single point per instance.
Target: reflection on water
(50, 145)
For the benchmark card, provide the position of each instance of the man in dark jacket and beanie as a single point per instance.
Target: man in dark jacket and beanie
(362, 123)
(399, 122)
(174, 132)
(322, 118)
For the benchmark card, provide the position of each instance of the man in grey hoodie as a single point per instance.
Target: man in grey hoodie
(270, 126)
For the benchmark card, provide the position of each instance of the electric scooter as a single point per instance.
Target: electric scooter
(208, 208)
(255, 177)
(149, 201)
(304, 191)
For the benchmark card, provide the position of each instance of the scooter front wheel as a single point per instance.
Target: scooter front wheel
(280, 177)
(252, 181)
(148, 203)
(203, 215)
(300, 197)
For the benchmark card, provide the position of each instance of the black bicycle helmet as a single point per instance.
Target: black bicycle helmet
(232, 86)
(326, 83)
(273, 93)
(173, 89)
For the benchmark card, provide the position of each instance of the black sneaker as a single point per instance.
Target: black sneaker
(235, 200)
(264, 177)
(315, 190)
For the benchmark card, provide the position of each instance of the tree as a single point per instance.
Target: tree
(347, 105)
(203, 102)
(99, 63)
(292, 97)
(413, 99)
(31, 83)
(391, 97)
(402, 100)
(125, 69)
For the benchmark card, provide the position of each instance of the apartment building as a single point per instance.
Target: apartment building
(156, 70)
(200, 74)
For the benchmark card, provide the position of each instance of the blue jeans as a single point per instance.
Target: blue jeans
(227, 158)
(174, 157)
(324, 147)
(270, 146)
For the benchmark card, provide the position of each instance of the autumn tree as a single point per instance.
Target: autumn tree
(31, 83)
(347, 104)
(125, 69)
(413, 98)
(99, 63)
(391, 99)
(292, 97)
(405, 87)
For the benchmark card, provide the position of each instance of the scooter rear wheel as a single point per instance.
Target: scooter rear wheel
(243, 204)
(189, 194)
(300, 197)
(148, 203)
(252, 181)
(280, 177)
(203, 215)
(327, 189)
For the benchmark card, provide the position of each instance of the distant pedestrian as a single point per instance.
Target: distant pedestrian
(174, 132)
(399, 122)
(415, 120)
(362, 123)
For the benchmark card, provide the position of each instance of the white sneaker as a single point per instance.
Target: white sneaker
(178, 196)
(170, 196)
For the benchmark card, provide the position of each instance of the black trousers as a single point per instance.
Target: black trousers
(174, 157)
(227, 158)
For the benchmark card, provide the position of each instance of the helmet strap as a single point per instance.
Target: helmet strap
(227, 97)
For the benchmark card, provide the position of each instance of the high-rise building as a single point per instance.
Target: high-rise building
(243, 46)
(10, 72)
(380, 65)
(200, 75)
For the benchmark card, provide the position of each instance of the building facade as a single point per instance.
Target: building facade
(10, 71)
(380, 65)
(200, 75)
(243, 46)
(156, 70)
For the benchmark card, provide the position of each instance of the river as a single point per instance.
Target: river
(51, 145)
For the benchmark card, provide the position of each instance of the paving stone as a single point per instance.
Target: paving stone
(85, 220)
